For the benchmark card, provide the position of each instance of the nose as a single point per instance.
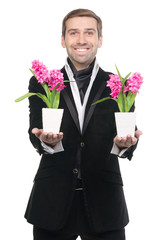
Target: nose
(81, 39)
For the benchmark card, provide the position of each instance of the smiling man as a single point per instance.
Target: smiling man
(81, 40)
(78, 188)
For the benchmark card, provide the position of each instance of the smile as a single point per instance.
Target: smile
(81, 49)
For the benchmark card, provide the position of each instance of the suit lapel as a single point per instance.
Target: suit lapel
(68, 97)
(98, 87)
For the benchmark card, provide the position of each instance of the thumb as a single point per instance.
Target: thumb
(138, 133)
(37, 132)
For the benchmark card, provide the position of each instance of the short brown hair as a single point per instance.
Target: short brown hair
(82, 13)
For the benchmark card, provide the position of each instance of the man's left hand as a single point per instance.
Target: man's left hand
(128, 141)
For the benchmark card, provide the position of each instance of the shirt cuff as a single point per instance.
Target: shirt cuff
(51, 150)
(115, 150)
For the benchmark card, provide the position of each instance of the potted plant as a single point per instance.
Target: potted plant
(124, 92)
(53, 83)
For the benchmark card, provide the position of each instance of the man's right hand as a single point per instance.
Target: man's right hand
(51, 139)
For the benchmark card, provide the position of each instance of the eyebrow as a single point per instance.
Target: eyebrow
(86, 29)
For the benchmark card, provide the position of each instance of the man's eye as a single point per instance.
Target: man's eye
(73, 33)
(89, 33)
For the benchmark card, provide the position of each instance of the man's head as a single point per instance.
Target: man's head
(81, 36)
(82, 13)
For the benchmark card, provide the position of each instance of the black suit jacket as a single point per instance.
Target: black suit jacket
(55, 181)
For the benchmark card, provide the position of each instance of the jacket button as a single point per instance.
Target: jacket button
(82, 144)
(75, 171)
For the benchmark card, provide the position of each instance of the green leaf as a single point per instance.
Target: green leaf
(25, 96)
(56, 100)
(125, 79)
(53, 93)
(124, 101)
(45, 99)
(121, 79)
(32, 72)
(120, 101)
(104, 99)
(68, 81)
(47, 91)
(130, 100)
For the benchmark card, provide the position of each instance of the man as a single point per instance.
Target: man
(78, 186)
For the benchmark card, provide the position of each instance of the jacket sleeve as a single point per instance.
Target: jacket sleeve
(129, 152)
(35, 116)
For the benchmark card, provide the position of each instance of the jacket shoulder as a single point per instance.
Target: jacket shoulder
(35, 86)
(105, 72)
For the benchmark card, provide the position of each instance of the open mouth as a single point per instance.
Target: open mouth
(81, 49)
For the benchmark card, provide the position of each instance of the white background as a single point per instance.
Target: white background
(32, 30)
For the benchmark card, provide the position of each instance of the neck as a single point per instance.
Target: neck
(81, 66)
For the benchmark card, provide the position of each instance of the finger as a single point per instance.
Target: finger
(60, 135)
(134, 141)
(50, 137)
(138, 133)
(47, 137)
(123, 141)
(131, 141)
(37, 132)
(128, 141)
(119, 141)
(57, 136)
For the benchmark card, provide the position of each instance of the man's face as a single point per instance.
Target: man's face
(81, 41)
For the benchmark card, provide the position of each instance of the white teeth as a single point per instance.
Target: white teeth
(81, 50)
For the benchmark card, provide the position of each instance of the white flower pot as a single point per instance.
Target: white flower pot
(51, 119)
(125, 123)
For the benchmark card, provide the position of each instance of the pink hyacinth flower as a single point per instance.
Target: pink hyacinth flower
(134, 83)
(41, 72)
(56, 77)
(115, 85)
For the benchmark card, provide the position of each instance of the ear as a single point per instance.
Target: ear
(100, 41)
(63, 42)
